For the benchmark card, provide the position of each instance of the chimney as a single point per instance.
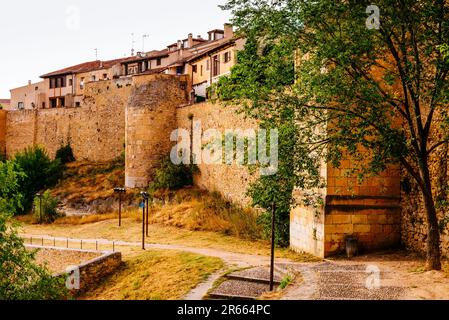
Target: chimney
(179, 44)
(190, 41)
(228, 31)
(29, 82)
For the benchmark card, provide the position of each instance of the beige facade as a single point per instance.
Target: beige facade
(31, 96)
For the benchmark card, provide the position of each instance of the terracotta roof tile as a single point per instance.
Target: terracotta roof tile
(85, 67)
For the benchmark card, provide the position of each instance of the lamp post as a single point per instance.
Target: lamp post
(148, 215)
(40, 195)
(120, 192)
(145, 197)
(273, 243)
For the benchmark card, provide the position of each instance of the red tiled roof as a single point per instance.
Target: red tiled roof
(5, 101)
(149, 55)
(208, 50)
(85, 67)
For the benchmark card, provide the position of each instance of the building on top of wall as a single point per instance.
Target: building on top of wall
(65, 87)
(5, 104)
(204, 60)
(31, 96)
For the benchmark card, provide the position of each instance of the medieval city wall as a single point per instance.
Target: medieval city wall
(232, 181)
(150, 119)
(96, 130)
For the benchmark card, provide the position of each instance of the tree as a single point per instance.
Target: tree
(375, 92)
(40, 172)
(21, 278)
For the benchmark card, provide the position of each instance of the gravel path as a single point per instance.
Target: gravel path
(57, 261)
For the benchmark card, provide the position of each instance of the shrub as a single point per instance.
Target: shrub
(49, 206)
(65, 154)
(171, 176)
(31, 282)
(11, 199)
(40, 173)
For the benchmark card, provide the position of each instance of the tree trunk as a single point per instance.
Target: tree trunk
(433, 230)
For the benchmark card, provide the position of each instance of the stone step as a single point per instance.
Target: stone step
(239, 290)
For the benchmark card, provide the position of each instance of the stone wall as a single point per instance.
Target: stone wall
(93, 272)
(2, 133)
(96, 130)
(369, 210)
(150, 119)
(232, 181)
(414, 220)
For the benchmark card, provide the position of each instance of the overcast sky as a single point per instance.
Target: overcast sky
(37, 37)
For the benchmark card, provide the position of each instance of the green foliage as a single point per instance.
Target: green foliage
(11, 198)
(286, 282)
(40, 173)
(65, 154)
(352, 84)
(172, 177)
(21, 278)
(49, 205)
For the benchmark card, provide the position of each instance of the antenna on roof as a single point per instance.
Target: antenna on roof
(96, 54)
(143, 41)
(132, 44)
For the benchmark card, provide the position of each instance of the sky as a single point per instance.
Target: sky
(37, 37)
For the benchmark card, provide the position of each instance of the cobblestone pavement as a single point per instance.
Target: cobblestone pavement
(333, 281)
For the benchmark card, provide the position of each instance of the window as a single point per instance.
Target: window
(105, 76)
(227, 57)
(195, 69)
(70, 82)
(158, 61)
(77, 104)
(43, 105)
(20, 106)
(216, 65)
(207, 65)
(82, 84)
(36, 88)
(94, 78)
(59, 82)
(201, 70)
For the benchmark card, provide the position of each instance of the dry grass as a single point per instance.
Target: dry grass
(85, 182)
(156, 275)
(197, 210)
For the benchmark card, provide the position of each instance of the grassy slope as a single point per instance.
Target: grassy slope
(156, 275)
